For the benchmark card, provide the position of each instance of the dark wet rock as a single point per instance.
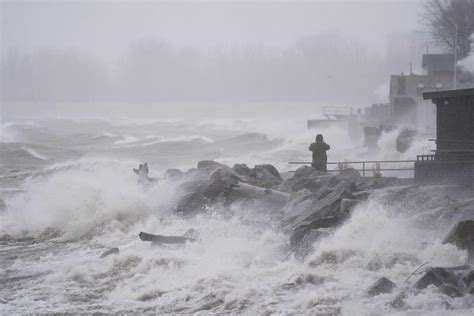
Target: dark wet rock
(242, 169)
(313, 180)
(313, 230)
(470, 289)
(361, 195)
(267, 173)
(259, 197)
(351, 175)
(207, 184)
(205, 169)
(450, 290)
(192, 202)
(318, 205)
(462, 235)
(305, 177)
(264, 176)
(173, 174)
(203, 164)
(311, 215)
(224, 177)
(376, 183)
(347, 205)
(5, 239)
(213, 183)
(469, 279)
(440, 278)
(111, 251)
(381, 286)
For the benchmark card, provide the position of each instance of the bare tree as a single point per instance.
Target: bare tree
(442, 17)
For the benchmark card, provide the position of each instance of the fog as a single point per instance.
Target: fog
(200, 51)
(155, 159)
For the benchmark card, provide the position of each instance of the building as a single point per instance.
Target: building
(406, 103)
(453, 159)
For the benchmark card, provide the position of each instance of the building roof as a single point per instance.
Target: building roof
(448, 93)
(437, 63)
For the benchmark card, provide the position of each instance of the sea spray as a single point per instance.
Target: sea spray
(81, 198)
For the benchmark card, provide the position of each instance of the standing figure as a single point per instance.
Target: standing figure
(319, 149)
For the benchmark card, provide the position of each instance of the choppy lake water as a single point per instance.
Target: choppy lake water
(69, 184)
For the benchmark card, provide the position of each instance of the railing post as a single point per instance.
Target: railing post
(363, 170)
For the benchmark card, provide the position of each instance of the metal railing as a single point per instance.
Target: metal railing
(364, 164)
(329, 111)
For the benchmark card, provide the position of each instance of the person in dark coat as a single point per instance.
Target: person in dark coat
(319, 149)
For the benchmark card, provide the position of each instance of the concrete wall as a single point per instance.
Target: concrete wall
(444, 172)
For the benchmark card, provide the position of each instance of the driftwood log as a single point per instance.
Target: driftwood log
(162, 239)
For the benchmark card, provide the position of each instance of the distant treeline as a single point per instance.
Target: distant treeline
(324, 67)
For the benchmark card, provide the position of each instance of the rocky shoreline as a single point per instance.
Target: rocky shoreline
(310, 205)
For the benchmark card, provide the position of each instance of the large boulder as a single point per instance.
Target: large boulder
(314, 180)
(206, 184)
(312, 230)
(381, 286)
(462, 235)
(173, 174)
(446, 281)
(205, 168)
(469, 282)
(351, 175)
(242, 169)
(212, 182)
(469, 278)
(305, 177)
(267, 173)
(347, 205)
(321, 204)
(451, 290)
(310, 215)
(264, 176)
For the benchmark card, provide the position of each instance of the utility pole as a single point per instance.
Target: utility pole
(455, 56)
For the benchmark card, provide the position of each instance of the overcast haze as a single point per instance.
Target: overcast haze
(106, 28)
(200, 51)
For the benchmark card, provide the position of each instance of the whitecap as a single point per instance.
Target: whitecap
(126, 140)
(34, 153)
